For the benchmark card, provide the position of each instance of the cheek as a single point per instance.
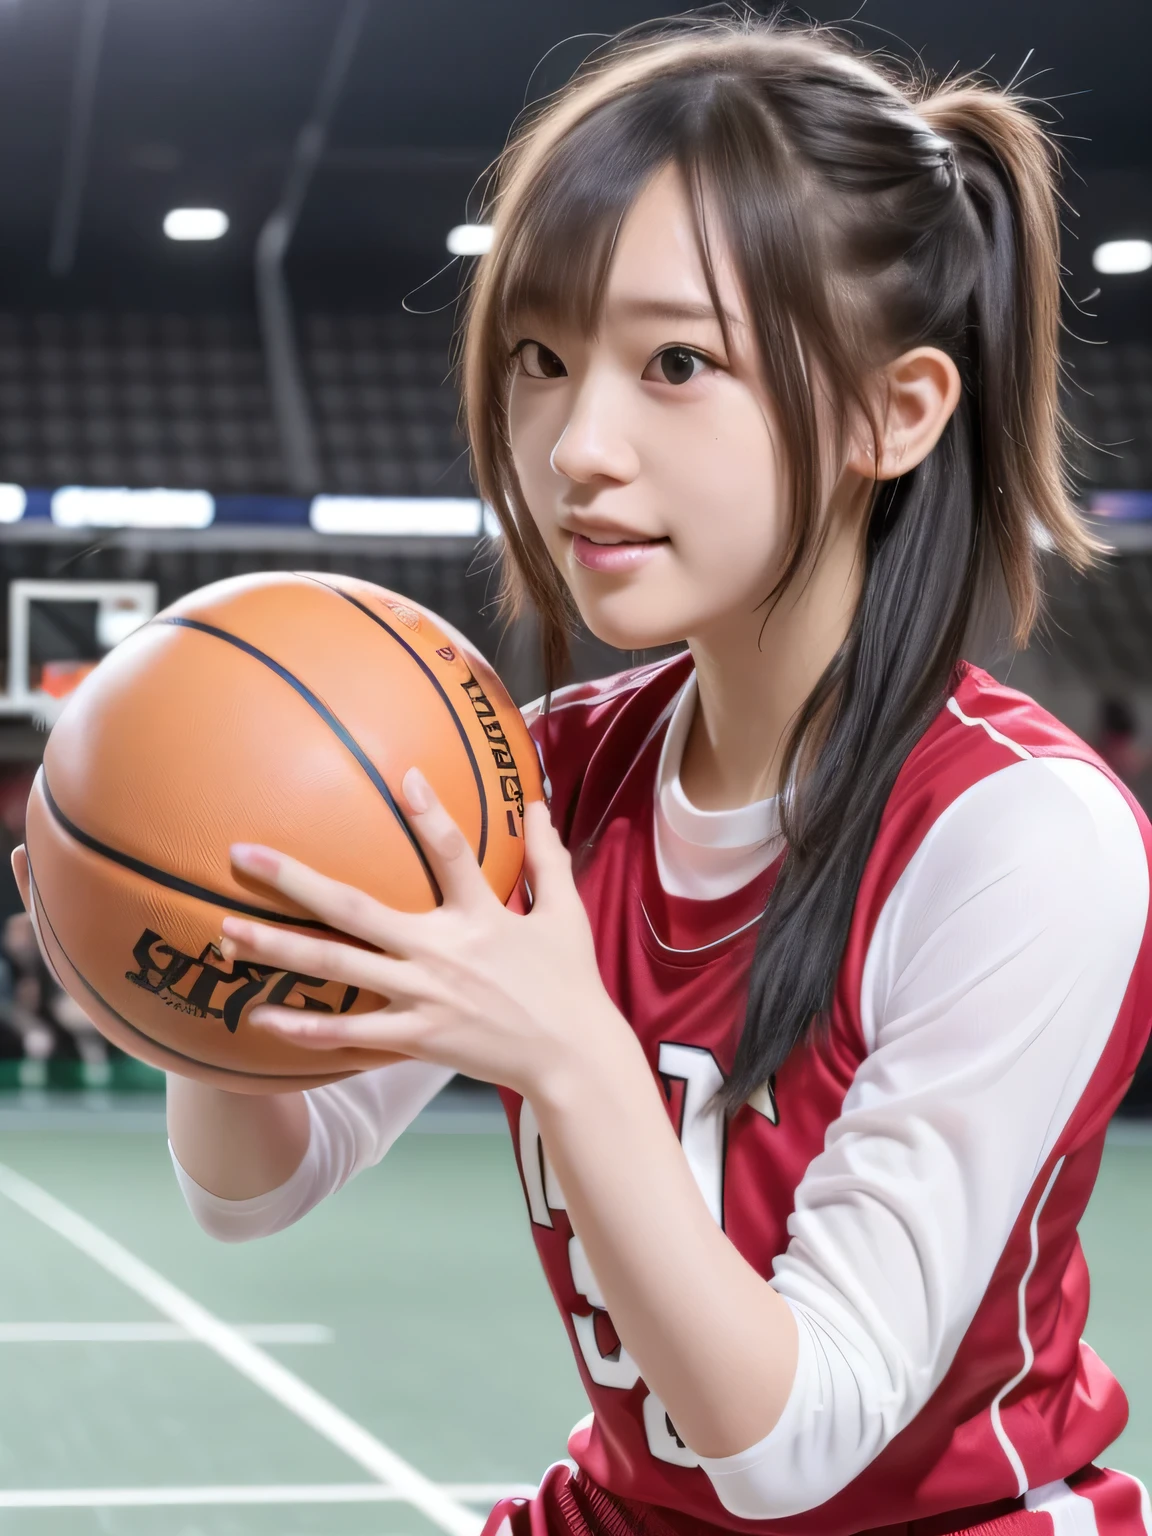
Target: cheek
(535, 421)
(723, 490)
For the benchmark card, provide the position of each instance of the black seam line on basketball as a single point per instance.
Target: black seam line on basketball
(338, 729)
(172, 882)
(194, 1061)
(482, 847)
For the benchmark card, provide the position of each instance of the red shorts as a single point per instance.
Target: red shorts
(1095, 1501)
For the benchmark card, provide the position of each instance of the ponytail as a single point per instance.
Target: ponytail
(969, 519)
(1009, 169)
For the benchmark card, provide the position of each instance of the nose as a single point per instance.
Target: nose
(594, 445)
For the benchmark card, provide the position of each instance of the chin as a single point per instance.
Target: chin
(629, 632)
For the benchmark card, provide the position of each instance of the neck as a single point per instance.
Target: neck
(754, 675)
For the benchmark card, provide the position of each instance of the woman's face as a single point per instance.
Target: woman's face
(646, 452)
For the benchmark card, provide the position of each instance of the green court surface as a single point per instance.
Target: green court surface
(387, 1366)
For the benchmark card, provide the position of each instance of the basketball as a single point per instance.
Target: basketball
(277, 709)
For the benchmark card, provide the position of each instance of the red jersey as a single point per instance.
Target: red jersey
(805, 1177)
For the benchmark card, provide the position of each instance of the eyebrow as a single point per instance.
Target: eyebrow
(669, 309)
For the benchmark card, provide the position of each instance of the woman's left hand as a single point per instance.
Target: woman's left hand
(506, 998)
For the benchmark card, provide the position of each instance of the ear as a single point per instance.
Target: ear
(918, 391)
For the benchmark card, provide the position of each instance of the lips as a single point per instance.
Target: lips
(625, 555)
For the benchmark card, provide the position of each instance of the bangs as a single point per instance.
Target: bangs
(557, 248)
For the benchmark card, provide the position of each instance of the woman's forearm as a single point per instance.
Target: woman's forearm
(236, 1145)
(711, 1338)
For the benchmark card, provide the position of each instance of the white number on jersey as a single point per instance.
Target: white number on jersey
(702, 1133)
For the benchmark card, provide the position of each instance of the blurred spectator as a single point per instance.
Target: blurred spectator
(38, 1020)
(22, 1010)
(1117, 741)
(15, 786)
(1118, 745)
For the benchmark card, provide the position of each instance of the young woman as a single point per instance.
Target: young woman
(811, 1038)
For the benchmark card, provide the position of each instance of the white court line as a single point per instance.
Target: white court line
(303, 1493)
(249, 1359)
(156, 1333)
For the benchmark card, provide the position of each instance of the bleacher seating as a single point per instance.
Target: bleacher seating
(384, 404)
(1108, 400)
(182, 400)
(173, 400)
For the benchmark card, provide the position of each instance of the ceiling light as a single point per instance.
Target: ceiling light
(81, 506)
(1116, 256)
(470, 239)
(195, 224)
(13, 500)
(400, 516)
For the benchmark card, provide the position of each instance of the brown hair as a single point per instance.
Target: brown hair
(864, 216)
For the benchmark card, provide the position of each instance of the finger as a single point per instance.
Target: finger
(308, 956)
(448, 850)
(547, 862)
(23, 872)
(382, 1030)
(340, 906)
(20, 870)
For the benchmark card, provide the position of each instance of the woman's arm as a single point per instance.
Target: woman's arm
(712, 1340)
(236, 1146)
(249, 1166)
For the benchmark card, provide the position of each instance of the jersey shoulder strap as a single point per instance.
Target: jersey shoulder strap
(589, 735)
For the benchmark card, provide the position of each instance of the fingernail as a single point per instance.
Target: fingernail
(416, 790)
(227, 948)
(253, 857)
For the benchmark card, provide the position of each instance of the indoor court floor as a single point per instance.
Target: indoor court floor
(388, 1366)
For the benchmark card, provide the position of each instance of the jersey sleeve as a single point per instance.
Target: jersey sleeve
(352, 1125)
(993, 980)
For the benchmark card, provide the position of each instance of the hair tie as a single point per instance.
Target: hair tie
(939, 151)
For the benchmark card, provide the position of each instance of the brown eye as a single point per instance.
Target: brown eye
(678, 365)
(539, 362)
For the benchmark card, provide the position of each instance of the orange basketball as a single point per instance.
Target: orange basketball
(277, 709)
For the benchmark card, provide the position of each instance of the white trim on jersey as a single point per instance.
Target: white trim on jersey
(699, 949)
(1071, 1513)
(1026, 1350)
(986, 725)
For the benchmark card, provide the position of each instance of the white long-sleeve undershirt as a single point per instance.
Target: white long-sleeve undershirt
(992, 982)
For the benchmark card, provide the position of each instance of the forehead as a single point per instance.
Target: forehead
(646, 259)
(657, 263)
